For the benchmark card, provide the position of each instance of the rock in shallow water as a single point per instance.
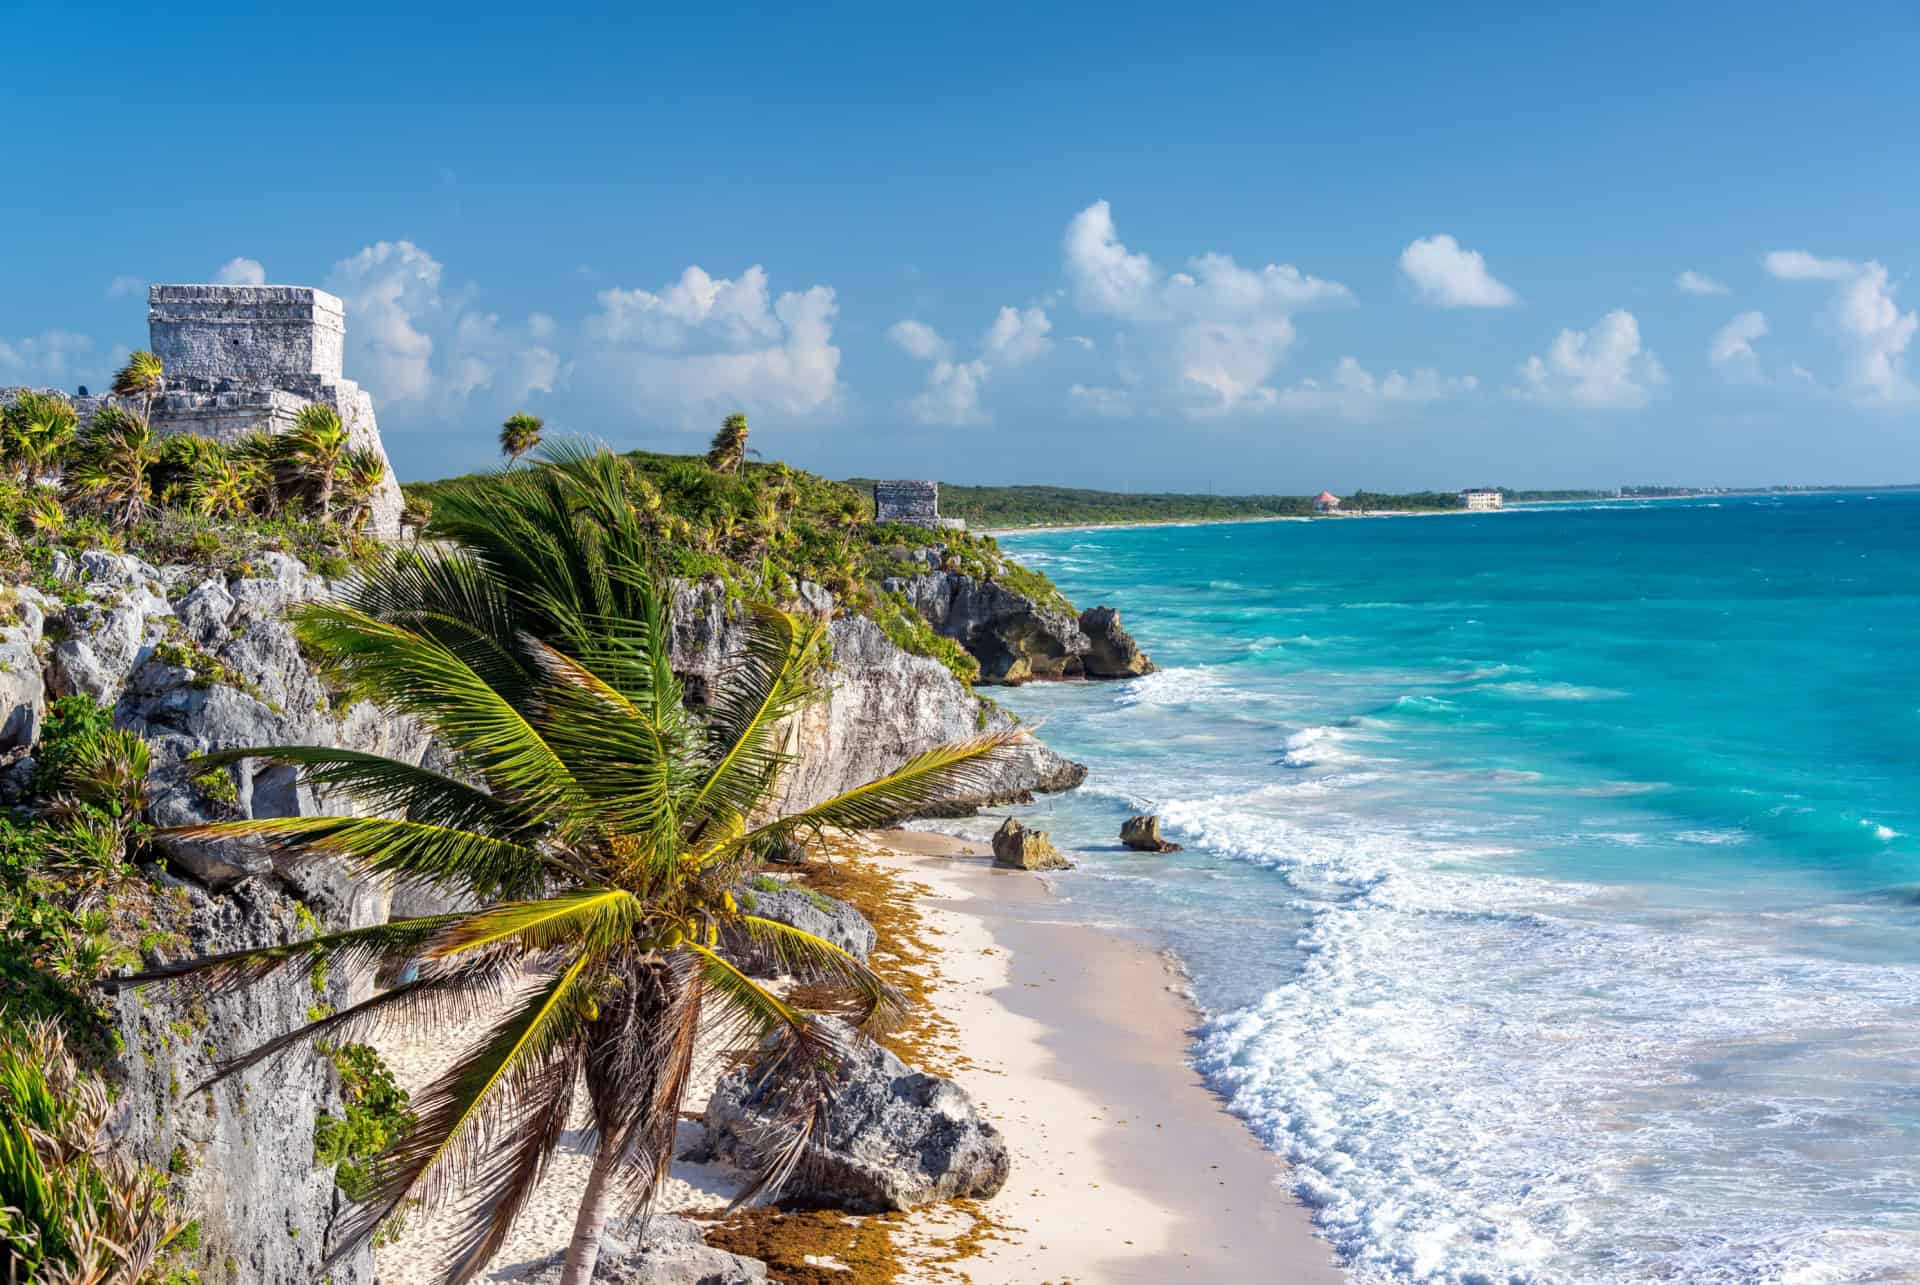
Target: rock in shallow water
(894, 1138)
(1023, 849)
(1142, 834)
(1111, 650)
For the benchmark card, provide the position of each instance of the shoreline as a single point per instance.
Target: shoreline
(1070, 1038)
(1127, 1167)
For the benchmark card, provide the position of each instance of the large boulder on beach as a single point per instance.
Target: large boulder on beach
(1017, 847)
(661, 1250)
(1142, 834)
(811, 912)
(1111, 650)
(893, 1138)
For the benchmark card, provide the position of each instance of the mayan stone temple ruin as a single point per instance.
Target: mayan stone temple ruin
(241, 358)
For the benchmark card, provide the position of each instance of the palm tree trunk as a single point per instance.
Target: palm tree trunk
(583, 1254)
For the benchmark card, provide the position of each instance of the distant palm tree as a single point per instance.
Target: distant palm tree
(728, 451)
(520, 434)
(314, 449)
(112, 465)
(602, 827)
(142, 377)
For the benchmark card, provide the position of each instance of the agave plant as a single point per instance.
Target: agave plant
(601, 825)
(520, 434)
(112, 465)
(314, 450)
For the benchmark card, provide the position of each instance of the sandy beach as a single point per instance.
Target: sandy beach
(1070, 1038)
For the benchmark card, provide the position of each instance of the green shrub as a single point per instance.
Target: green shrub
(73, 732)
(377, 1116)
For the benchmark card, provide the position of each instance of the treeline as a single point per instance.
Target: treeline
(1000, 507)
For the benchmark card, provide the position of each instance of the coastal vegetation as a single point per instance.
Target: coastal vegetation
(602, 825)
(760, 529)
(1005, 507)
(113, 484)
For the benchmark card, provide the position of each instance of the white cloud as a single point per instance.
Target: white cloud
(53, 357)
(1732, 348)
(1354, 393)
(1216, 332)
(411, 342)
(1691, 282)
(1449, 275)
(952, 394)
(706, 345)
(1798, 265)
(1019, 335)
(1603, 368)
(918, 339)
(1082, 342)
(1870, 325)
(125, 284)
(1097, 400)
(242, 272)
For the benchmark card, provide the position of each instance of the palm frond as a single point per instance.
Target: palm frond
(386, 785)
(812, 958)
(439, 996)
(590, 919)
(411, 853)
(771, 679)
(464, 1112)
(351, 951)
(926, 777)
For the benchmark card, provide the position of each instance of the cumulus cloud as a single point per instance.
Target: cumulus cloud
(1015, 337)
(1691, 282)
(1217, 331)
(1448, 275)
(412, 342)
(53, 357)
(1603, 368)
(241, 272)
(1352, 392)
(1019, 335)
(917, 339)
(1863, 314)
(706, 345)
(1732, 349)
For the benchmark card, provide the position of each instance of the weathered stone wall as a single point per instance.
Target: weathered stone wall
(915, 502)
(253, 335)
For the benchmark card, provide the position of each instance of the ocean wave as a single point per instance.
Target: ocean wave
(1553, 691)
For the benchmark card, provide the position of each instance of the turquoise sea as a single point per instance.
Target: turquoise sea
(1552, 877)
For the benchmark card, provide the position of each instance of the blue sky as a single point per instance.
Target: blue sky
(1254, 247)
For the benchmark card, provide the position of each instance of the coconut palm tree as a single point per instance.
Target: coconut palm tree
(728, 451)
(599, 823)
(142, 377)
(314, 450)
(112, 465)
(520, 434)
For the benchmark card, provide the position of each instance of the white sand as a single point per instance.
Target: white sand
(1125, 1168)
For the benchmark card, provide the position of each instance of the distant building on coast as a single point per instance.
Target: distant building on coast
(1326, 502)
(1481, 499)
(917, 503)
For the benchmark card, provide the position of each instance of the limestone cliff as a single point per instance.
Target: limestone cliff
(883, 705)
(197, 662)
(1019, 636)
